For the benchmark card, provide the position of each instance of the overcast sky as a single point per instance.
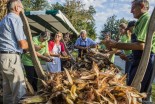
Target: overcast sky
(106, 8)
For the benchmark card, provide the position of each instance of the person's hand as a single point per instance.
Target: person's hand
(42, 46)
(123, 57)
(57, 55)
(112, 43)
(84, 48)
(107, 45)
(87, 48)
(69, 58)
(103, 42)
(26, 51)
(48, 59)
(66, 57)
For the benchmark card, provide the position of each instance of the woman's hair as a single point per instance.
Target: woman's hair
(123, 25)
(59, 34)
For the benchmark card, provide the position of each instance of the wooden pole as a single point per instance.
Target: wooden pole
(34, 57)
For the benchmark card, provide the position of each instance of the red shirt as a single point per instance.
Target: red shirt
(51, 45)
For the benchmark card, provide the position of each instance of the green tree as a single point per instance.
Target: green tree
(112, 26)
(80, 17)
(35, 5)
(57, 6)
(74, 10)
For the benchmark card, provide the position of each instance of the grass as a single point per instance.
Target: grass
(153, 93)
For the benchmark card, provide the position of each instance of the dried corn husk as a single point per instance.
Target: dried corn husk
(89, 87)
(3, 8)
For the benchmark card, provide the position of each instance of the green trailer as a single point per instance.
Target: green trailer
(49, 20)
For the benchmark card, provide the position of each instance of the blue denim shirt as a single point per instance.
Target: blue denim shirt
(11, 31)
(87, 42)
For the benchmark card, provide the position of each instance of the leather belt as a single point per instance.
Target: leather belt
(9, 52)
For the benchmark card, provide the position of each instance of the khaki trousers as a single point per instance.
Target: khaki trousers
(13, 78)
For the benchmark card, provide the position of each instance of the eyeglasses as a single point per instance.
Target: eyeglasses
(58, 36)
(20, 7)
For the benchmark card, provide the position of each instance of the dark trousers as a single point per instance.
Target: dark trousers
(147, 77)
(31, 76)
(127, 69)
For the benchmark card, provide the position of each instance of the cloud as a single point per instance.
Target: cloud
(106, 8)
(121, 8)
(94, 3)
(54, 1)
(152, 2)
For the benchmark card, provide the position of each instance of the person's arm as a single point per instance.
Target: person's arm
(43, 57)
(80, 47)
(77, 45)
(124, 57)
(93, 44)
(17, 26)
(64, 53)
(23, 44)
(20, 35)
(55, 55)
(128, 46)
(37, 48)
(63, 49)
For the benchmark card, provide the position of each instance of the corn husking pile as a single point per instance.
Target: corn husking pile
(100, 57)
(92, 79)
(84, 86)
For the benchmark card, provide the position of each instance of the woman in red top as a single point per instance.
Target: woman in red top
(56, 48)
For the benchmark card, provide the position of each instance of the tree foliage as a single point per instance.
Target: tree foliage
(35, 5)
(74, 10)
(80, 17)
(112, 25)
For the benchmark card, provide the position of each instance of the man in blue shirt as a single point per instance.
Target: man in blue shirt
(12, 42)
(83, 43)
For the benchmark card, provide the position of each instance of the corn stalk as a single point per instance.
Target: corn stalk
(3, 9)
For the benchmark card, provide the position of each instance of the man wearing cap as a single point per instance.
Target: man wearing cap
(140, 12)
(83, 43)
(41, 46)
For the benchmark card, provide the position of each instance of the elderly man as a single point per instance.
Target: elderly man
(140, 12)
(83, 43)
(12, 41)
